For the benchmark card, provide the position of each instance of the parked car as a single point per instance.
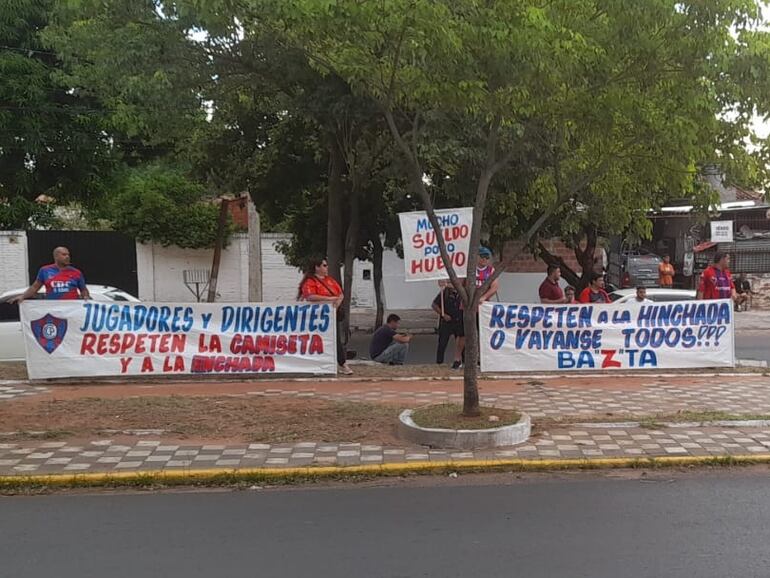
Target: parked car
(11, 339)
(640, 268)
(657, 294)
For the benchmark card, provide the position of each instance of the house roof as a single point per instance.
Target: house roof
(729, 193)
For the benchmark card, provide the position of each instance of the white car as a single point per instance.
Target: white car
(657, 294)
(11, 338)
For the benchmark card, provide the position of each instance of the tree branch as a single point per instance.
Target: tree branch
(419, 186)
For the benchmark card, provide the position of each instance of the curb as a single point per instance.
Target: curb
(225, 477)
(148, 381)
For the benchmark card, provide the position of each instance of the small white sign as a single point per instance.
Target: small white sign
(722, 231)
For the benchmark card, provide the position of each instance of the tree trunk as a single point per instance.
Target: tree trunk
(471, 370)
(335, 220)
(585, 257)
(567, 273)
(351, 244)
(377, 266)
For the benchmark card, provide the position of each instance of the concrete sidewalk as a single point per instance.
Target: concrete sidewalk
(547, 400)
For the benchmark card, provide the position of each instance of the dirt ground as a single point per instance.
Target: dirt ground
(221, 419)
(18, 370)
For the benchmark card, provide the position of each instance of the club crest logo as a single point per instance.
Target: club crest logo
(49, 331)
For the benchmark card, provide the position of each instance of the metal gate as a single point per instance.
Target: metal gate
(104, 257)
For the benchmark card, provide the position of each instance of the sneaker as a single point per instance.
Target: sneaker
(345, 370)
(457, 365)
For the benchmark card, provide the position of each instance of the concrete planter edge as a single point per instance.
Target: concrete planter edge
(464, 439)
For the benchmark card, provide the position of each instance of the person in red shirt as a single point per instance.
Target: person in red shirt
(484, 270)
(318, 286)
(549, 291)
(716, 281)
(595, 292)
(60, 279)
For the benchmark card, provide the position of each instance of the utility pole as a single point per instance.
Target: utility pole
(255, 254)
(224, 208)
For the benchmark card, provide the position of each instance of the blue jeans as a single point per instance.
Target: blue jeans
(394, 353)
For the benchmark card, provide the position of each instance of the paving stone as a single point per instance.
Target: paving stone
(179, 463)
(109, 460)
(39, 456)
(158, 458)
(232, 463)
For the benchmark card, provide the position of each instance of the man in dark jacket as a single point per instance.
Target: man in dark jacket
(448, 306)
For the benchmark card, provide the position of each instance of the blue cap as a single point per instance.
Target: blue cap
(485, 252)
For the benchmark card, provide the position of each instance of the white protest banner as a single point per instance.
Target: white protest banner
(92, 338)
(722, 231)
(422, 259)
(684, 334)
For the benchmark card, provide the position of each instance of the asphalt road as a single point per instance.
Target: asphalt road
(748, 345)
(713, 526)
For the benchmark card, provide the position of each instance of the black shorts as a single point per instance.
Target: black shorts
(455, 328)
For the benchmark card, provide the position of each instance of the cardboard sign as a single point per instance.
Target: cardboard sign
(422, 258)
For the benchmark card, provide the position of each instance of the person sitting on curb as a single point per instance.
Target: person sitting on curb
(743, 294)
(388, 346)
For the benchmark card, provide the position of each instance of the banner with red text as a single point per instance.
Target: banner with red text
(93, 338)
(422, 258)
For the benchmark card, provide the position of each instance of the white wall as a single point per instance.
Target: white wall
(521, 287)
(160, 271)
(279, 280)
(13, 256)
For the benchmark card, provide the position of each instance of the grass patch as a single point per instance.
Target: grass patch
(449, 416)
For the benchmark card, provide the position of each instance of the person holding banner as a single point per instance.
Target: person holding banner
(716, 281)
(448, 306)
(317, 285)
(549, 290)
(484, 270)
(595, 292)
(60, 279)
(641, 295)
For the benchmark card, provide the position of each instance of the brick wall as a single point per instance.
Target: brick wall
(13, 256)
(526, 263)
